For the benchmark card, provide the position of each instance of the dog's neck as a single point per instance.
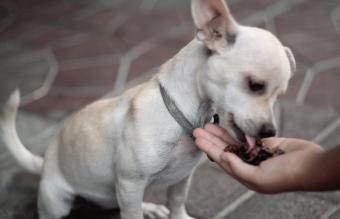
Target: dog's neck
(180, 77)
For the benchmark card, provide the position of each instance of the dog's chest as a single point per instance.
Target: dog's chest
(180, 162)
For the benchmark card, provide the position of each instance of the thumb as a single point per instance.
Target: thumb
(238, 168)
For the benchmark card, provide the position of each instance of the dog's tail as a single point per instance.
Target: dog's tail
(8, 132)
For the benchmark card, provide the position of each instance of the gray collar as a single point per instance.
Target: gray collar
(204, 114)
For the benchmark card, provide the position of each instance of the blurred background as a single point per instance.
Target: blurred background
(65, 54)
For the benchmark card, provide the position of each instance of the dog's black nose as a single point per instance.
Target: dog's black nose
(267, 130)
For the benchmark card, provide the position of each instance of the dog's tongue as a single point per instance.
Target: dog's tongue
(251, 142)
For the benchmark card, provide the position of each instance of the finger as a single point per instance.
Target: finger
(284, 144)
(272, 142)
(198, 132)
(226, 166)
(213, 151)
(220, 132)
(201, 133)
(239, 169)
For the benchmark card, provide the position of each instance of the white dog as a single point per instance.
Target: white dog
(113, 149)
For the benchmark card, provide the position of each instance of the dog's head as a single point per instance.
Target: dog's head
(247, 69)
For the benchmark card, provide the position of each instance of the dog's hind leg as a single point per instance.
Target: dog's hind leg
(54, 202)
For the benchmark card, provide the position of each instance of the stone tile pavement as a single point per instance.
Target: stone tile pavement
(66, 54)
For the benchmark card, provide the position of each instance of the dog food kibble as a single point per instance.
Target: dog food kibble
(255, 155)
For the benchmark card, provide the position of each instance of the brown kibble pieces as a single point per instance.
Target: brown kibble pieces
(256, 155)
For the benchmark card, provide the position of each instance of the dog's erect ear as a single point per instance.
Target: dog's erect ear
(215, 25)
(291, 59)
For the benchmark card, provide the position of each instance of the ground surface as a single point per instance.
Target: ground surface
(65, 54)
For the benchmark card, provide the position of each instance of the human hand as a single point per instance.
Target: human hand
(288, 172)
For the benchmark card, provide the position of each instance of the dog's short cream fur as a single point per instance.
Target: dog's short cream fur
(113, 149)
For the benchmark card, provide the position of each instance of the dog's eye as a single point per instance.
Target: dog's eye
(255, 86)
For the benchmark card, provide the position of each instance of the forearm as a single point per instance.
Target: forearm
(323, 172)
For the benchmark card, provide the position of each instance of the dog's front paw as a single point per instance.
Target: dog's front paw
(153, 211)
